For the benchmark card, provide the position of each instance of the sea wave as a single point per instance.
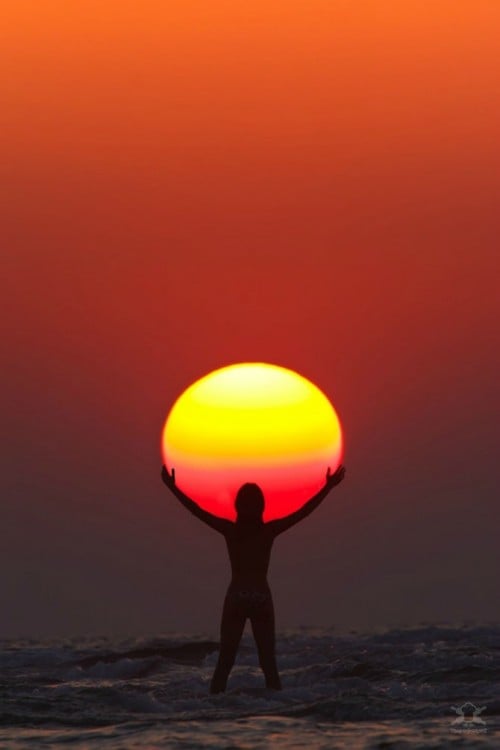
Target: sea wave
(402, 677)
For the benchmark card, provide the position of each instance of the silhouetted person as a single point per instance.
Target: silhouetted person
(249, 541)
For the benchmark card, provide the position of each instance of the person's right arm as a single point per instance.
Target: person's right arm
(219, 524)
(282, 524)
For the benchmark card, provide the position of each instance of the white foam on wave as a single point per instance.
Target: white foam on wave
(120, 670)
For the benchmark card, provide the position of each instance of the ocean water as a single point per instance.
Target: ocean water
(425, 687)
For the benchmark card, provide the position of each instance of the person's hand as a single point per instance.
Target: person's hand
(333, 479)
(169, 479)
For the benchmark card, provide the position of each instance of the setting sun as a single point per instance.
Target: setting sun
(252, 422)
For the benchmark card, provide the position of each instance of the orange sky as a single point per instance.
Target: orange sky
(190, 184)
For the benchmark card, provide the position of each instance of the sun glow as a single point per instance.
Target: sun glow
(252, 422)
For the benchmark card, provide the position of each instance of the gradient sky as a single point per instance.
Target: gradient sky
(190, 184)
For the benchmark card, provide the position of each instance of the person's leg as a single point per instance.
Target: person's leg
(231, 630)
(263, 631)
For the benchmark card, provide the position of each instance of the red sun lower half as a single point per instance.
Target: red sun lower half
(252, 422)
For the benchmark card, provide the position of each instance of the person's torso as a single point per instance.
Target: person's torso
(249, 551)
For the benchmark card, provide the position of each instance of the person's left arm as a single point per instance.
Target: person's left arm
(219, 524)
(282, 524)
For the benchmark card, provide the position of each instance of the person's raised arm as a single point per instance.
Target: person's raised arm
(219, 524)
(282, 524)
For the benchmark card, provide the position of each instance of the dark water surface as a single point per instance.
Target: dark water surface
(428, 687)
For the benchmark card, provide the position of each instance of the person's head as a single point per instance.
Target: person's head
(249, 503)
